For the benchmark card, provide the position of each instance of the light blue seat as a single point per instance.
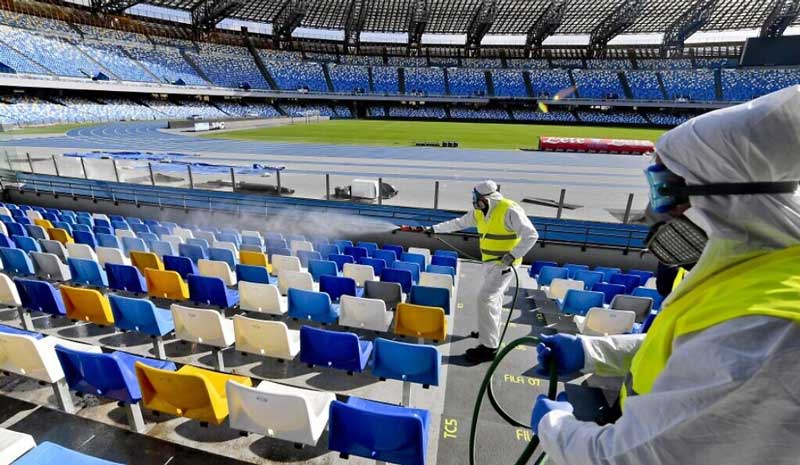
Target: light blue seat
(413, 268)
(87, 272)
(310, 305)
(35, 231)
(223, 255)
(651, 293)
(118, 225)
(254, 274)
(202, 243)
(40, 296)
(630, 281)
(548, 273)
(445, 253)
(108, 240)
(141, 228)
(16, 261)
(356, 252)
(378, 431)
(441, 270)
(430, 297)
(319, 268)
(340, 260)
(414, 363)
(133, 244)
(184, 266)
(306, 255)
(377, 264)
(49, 453)
(132, 220)
(80, 227)
(252, 240)
(573, 268)
(609, 290)
(162, 248)
(403, 277)
(229, 236)
(419, 259)
(140, 315)
(342, 244)
(160, 230)
(337, 286)
(148, 238)
(125, 278)
(577, 302)
(444, 261)
(85, 237)
(334, 349)
(294, 237)
(370, 246)
(63, 225)
(329, 249)
(192, 251)
(273, 236)
(27, 244)
(210, 290)
(589, 278)
(608, 272)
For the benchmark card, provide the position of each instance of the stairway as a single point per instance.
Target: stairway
(401, 80)
(626, 86)
(662, 86)
(260, 64)
(327, 75)
(195, 66)
(526, 76)
(489, 83)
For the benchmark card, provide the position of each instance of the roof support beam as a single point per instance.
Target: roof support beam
(691, 21)
(354, 23)
(482, 19)
(288, 18)
(782, 15)
(112, 6)
(418, 15)
(614, 24)
(545, 25)
(208, 13)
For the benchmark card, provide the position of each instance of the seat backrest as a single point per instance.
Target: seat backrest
(359, 312)
(296, 246)
(430, 297)
(217, 269)
(340, 260)
(125, 278)
(270, 338)
(252, 258)
(559, 287)
(630, 281)
(210, 290)
(40, 296)
(231, 247)
(108, 240)
(444, 261)
(87, 272)
(275, 243)
(389, 292)
(184, 266)
(419, 259)
(162, 248)
(403, 277)
(388, 256)
(342, 243)
(420, 321)
(609, 290)
(33, 230)
(578, 302)
(138, 315)
(409, 266)
(207, 236)
(336, 286)
(223, 255)
(253, 274)
(589, 278)
(421, 251)
(87, 305)
(448, 270)
(140, 228)
(335, 349)
(9, 295)
(192, 251)
(260, 297)
(111, 255)
(370, 246)
(143, 260)
(311, 305)
(54, 247)
(318, 268)
(200, 325)
(85, 237)
(16, 261)
(641, 306)
(328, 249)
(284, 263)
(296, 280)
(30, 356)
(651, 293)
(176, 241)
(6, 241)
(83, 251)
(573, 268)
(50, 266)
(16, 229)
(443, 281)
(187, 392)
(377, 264)
(166, 284)
(415, 363)
(356, 252)
(27, 243)
(306, 255)
(360, 273)
(548, 273)
(228, 237)
(602, 321)
(642, 274)
(183, 233)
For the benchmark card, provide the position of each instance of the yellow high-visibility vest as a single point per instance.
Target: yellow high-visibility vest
(496, 240)
(766, 285)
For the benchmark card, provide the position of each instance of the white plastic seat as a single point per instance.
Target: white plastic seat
(5, 211)
(36, 358)
(603, 321)
(176, 241)
(14, 445)
(40, 231)
(183, 233)
(421, 251)
(444, 281)
(217, 269)
(264, 337)
(358, 312)
(110, 255)
(83, 251)
(120, 233)
(284, 263)
(49, 266)
(361, 273)
(297, 246)
(246, 232)
(9, 295)
(4, 230)
(207, 235)
(227, 246)
(559, 287)
(33, 215)
(101, 216)
(279, 411)
(651, 283)
(295, 279)
(202, 325)
(54, 247)
(260, 297)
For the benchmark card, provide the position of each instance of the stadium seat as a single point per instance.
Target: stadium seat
(9, 294)
(16, 261)
(558, 287)
(247, 257)
(651, 293)
(355, 252)
(424, 252)
(390, 293)
(223, 255)
(342, 243)
(184, 266)
(87, 272)
(260, 297)
(377, 264)
(254, 274)
(318, 268)
(601, 321)
(144, 260)
(630, 281)
(166, 284)
(50, 267)
(640, 306)
(403, 277)
(192, 251)
(573, 268)
(33, 230)
(279, 411)
(190, 392)
(210, 290)
(87, 305)
(413, 363)
(203, 326)
(14, 445)
(548, 273)
(307, 255)
(300, 245)
(268, 338)
(15, 229)
(162, 248)
(609, 290)
(449, 270)
(108, 240)
(284, 263)
(444, 281)
(370, 246)
(6, 241)
(444, 261)
(578, 302)
(134, 244)
(388, 256)
(608, 272)
(111, 255)
(54, 247)
(397, 249)
(340, 260)
(334, 349)
(360, 273)
(337, 286)
(328, 250)
(295, 280)
(419, 259)
(176, 241)
(310, 305)
(378, 431)
(363, 313)
(39, 296)
(141, 316)
(60, 235)
(48, 452)
(183, 233)
(420, 322)
(217, 269)
(27, 244)
(589, 278)
(125, 278)
(430, 297)
(82, 251)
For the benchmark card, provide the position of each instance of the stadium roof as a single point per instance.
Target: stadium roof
(512, 17)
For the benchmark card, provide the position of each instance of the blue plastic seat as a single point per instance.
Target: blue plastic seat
(50, 216)
(119, 218)
(125, 278)
(419, 259)
(397, 249)
(441, 270)
(140, 315)
(430, 297)
(630, 281)
(277, 243)
(415, 363)
(377, 264)
(294, 237)
(35, 231)
(160, 230)
(21, 332)
(105, 375)
(388, 256)
(370, 246)
(140, 228)
(356, 252)
(340, 260)
(254, 274)
(202, 243)
(99, 222)
(337, 286)
(307, 255)
(16, 261)
(133, 244)
(148, 238)
(6, 241)
(319, 268)
(87, 220)
(589, 278)
(444, 261)
(310, 305)
(252, 240)
(573, 268)
(23, 220)
(223, 255)
(162, 248)
(413, 268)
(27, 244)
(403, 277)
(84, 237)
(48, 453)
(278, 251)
(329, 249)
(651, 293)
(342, 243)
(108, 240)
(378, 431)
(192, 251)
(445, 253)
(80, 227)
(116, 225)
(609, 290)
(210, 290)
(63, 225)
(16, 229)
(87, 272)
(102, 230)
(273, 235)
(40, 296)
(133, 220)
(642, 274)
(334, 349)
(184, 266)
(152, 223)
(548, 273)
(608, 272)
(318, 242)
(577, 302)
(229, 236)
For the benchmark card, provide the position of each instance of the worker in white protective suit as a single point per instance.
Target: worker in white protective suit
(715, 380)
(506, 235)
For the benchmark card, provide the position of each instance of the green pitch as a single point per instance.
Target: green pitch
(407, 133)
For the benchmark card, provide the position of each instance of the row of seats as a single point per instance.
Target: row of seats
(21, 449)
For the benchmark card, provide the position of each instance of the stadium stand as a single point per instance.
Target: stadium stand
(385, 80)
(644, 85)
(349, 78)
(616, 117)
(417, 112)
(290, 75)
(740, 85)
(695, 85)
(598, 84)
(230, 67)
(533, 115)
(479, 113)
(466, 81)
(548, 83)
(424, 81)
(509, 83)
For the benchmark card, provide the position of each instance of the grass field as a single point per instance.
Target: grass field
(406, 133)
(54, 129)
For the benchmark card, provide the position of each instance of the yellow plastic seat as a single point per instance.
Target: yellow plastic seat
(144, 260)
(249, 257)
(165, 284)
(46, 224)
(87, 305)
(60, 235)
(190, 392)
(420, 321)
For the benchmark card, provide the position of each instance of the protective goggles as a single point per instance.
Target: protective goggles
(668, 189)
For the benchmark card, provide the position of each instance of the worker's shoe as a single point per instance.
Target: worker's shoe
(480, 354)
(474, 335)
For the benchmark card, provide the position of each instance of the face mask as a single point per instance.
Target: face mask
(678, 242)
(478, 201)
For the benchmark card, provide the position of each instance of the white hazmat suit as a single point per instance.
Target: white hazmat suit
(729, 394)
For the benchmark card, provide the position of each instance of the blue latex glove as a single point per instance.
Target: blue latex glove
(565, 349)
(543, 406)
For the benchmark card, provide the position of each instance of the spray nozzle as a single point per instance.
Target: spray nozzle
(407, 228)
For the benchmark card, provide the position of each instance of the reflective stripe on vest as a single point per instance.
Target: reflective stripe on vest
(766, 285)
(496, 240)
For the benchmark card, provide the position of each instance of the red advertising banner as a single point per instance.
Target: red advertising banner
(580, 144)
